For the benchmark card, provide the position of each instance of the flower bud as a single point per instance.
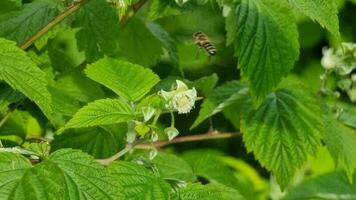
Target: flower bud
(171, 132)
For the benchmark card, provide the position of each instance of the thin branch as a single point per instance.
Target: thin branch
(71, 9)
(135, 8)
(160, 144)
(192, 138)
(7, 115)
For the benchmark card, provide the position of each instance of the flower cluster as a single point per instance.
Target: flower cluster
(341, 62)
(182, 99)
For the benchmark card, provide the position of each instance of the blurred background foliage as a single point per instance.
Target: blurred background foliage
(58, 54)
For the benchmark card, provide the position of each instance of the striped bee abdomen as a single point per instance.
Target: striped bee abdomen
(202, 41)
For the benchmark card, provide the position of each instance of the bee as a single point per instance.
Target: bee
(203, 42)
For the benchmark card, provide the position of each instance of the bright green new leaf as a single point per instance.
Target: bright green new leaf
(66, 174)
(128, 80)
(266, 42)
(341, 143)
(323, 11)
(139, 44)
(207, 192)
(283, 131)
(138, 182)
(22, 74)
(99, 30)
(101, 112)
(100, 142)
(327, 187)
(22, 24)
(221, 98)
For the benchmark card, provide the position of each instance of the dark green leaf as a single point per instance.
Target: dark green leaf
(20, 25)
(139, 44)
(283, 131)
(221, 98)
(266, 42)
(139, 183)
(99, 30)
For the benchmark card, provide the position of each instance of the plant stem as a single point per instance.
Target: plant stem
(7, 116)
(192, 138)
(109, 160)
(54, 22)
(135, 7)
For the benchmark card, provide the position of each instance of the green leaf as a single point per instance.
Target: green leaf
(172, 167)
(99, 30)
(328, 187)
(205, 84)
(22, 24)
(140, 45)
(128, 80)
(22, 74)
(208, 164)
(66, 174)
(166, 40)
(283, 131)
(8, 96)
(80, 87)
(12, 168)
(207, 192)
(84, 177)
(220, 99)
(341, 143)
(323, 11)
(15, 125)
(266, 41)
(101, 112)
(9, 5)
(100, 142)
(138, 182)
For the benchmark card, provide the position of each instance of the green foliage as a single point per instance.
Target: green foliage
(120, 83)
(99, 30)
(341, 143)
(328, 186)
(283, 131)
(221, 98)
(66, 174)
(140, 44)
(207, 164)
(207, 192)
(139, 183)
(128, 80)
(22, 24)
(172, 167)
(101, 112)
(100, 142)
(22, 74)
(323, 11)
(266, 41)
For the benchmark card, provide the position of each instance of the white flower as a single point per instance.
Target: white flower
(329, 60)
(182, 99)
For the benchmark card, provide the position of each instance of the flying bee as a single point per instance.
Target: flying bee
(203, 42)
